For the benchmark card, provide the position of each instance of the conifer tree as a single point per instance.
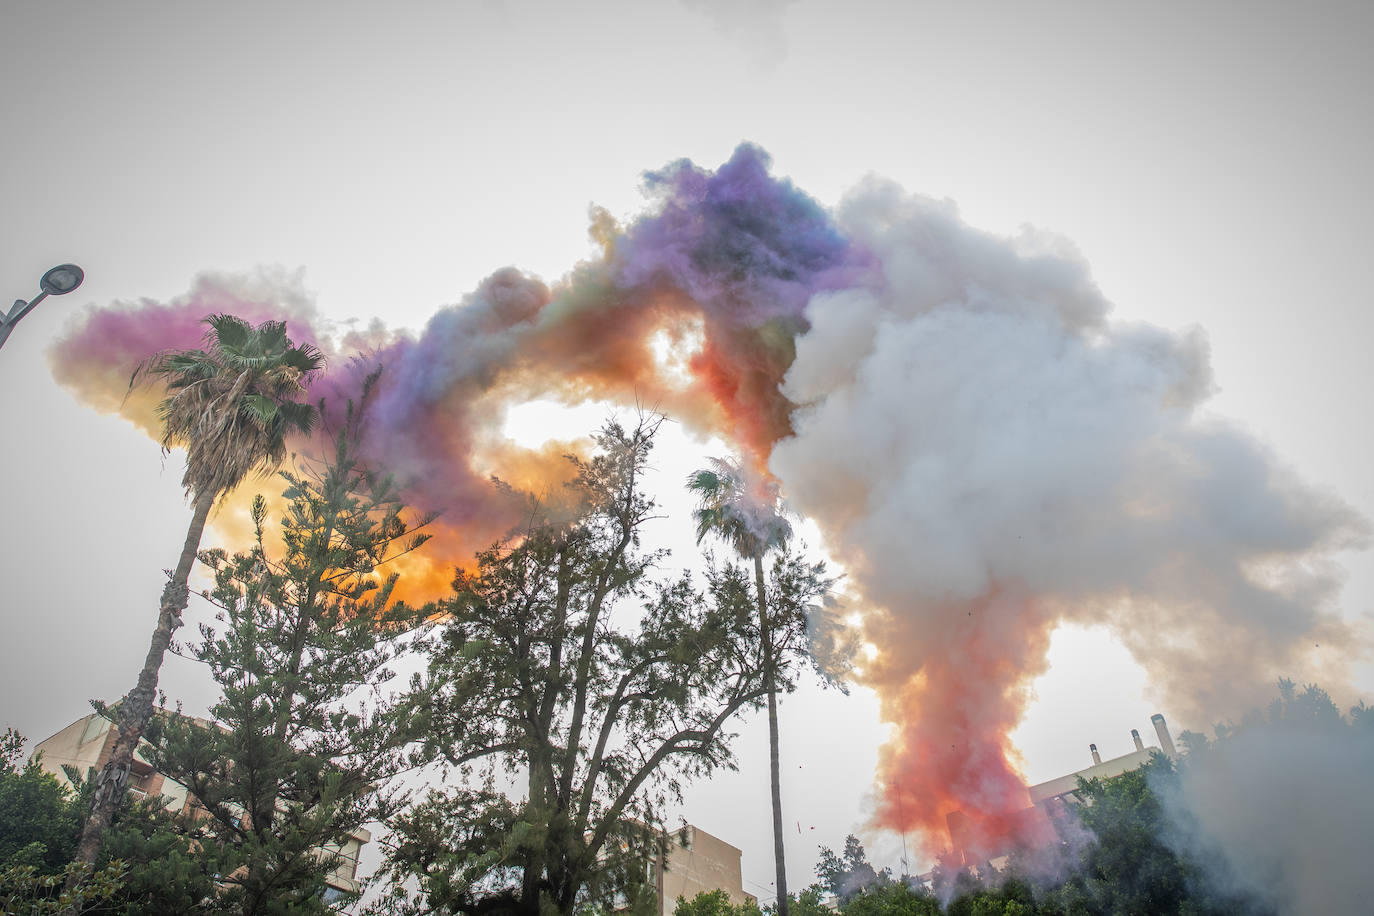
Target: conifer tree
(304, 744)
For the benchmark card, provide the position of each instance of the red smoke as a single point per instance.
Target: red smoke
(954, 708)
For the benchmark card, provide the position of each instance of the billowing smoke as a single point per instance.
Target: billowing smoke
(1282, 811)
(983, 450)
(988, 455)
(724, 267)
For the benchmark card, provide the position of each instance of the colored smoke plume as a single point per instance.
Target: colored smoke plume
(984, 451)
(728, 259)
(988, 455)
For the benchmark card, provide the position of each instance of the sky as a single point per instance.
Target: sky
(1209, 164)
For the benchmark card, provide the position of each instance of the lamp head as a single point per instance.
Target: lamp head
(62, 279)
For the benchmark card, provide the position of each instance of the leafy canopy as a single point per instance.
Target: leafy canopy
(576, 694)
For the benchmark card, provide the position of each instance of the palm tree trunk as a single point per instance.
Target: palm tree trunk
(770, 686)
(137, 707)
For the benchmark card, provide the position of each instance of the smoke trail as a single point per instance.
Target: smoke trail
(984, 451)
(729, 258)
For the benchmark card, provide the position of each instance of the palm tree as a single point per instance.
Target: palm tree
(748, 518)
(233, 405)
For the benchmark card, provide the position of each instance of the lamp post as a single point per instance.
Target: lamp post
(59, 281)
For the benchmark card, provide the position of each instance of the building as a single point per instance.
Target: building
(693, 861)
(974, 840)
(88, 743)
(1063, 787)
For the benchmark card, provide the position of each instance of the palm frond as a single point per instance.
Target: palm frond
(271, 336)
(227, 332)
(744, 513)
(304, 358)
(298, 417)
(263, 410)
(234, 403)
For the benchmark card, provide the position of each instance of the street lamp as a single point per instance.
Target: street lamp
(59, 281)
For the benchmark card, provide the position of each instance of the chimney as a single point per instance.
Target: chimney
(1135, 736)
(1162, 731)
(1097, 758)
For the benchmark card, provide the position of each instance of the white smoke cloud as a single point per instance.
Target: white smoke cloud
(973, 426)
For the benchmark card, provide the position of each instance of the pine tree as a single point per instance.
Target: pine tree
(304, 745)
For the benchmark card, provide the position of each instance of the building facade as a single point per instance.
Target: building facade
(693, 861)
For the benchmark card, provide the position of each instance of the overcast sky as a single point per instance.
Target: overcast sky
(1212, 165)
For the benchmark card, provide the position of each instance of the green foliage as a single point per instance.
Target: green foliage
(561, 665)
(1130, 868)
(850, 873)
(233, 405)
(1012, 897)
(891, 898)
(745, 514)
(1134, 863)
(25, 891)
(305, 746)
(142, 864)
(1312, 707)
(168, 869)
(39, 820)
(810, 902)
(714, 903)
(745, 510)
(38, 817)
